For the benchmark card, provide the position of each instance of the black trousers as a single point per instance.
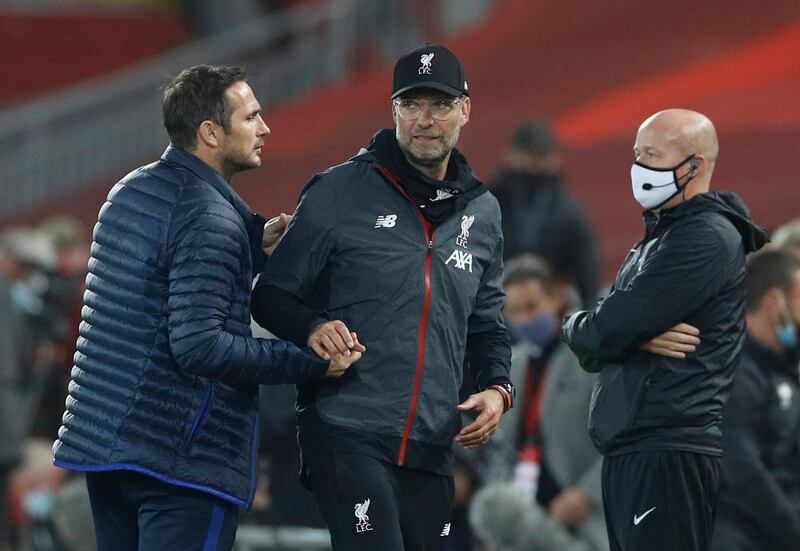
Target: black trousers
(660, 500)
(372, 505)
(136, 512)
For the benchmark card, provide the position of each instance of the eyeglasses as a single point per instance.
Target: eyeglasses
(440, 109)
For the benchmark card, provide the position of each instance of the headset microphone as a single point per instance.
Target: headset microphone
(648, 187)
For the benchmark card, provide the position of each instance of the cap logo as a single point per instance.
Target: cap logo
(425, 68)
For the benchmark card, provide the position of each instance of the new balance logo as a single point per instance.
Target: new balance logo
(445, 530)
(386, 221)
(461, 259)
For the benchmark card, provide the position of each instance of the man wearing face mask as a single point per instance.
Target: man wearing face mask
(539, 214)
(542, 445)
(759, 500)
(666, 341)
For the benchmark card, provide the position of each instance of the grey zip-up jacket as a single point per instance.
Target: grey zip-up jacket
(420, 300)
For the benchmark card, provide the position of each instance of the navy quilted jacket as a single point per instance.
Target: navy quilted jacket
(166, 371)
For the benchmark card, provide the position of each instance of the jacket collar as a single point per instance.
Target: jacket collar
(667, 216)
(722, 202)
(436, 200)
(178, 156)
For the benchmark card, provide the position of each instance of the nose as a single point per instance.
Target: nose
(263, 129)
(425, 118)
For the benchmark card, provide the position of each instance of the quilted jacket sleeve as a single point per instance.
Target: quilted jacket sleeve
(204, 279)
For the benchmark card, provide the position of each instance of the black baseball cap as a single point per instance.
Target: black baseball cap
(430, 66)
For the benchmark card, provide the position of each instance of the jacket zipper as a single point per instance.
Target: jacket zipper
(203, 413)
(401, 456)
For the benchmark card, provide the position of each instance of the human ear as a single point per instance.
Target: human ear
(208, 133)
(466, 107)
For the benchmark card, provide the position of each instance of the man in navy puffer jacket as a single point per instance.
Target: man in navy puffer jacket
(162, 405)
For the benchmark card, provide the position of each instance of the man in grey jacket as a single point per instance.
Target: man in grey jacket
(402, 244)
(503, 520)
(543, 446)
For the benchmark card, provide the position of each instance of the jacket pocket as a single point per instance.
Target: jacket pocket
(202, 413)
(225, 430)
(616, 398)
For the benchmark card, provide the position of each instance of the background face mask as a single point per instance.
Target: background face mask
(539, 330)
(786, 329)
(652, 187)
(787, 333)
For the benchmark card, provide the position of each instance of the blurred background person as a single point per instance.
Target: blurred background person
(759, 500)
(280, 498)
(787, 237)
(68, 241)
(504, 520)
(11, 425)
(209, 16)
(467, 480)
(540, 215)
(42, 270)
(543, 445)
(72, 527)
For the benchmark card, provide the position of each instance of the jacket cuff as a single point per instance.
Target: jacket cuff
(316, 320)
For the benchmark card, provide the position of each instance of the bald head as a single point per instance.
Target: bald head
(692, 132)
(669, 137)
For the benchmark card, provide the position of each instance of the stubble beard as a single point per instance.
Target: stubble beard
(428, 158)
(235, 162)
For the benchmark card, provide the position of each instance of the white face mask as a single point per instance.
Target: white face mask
(652, 187)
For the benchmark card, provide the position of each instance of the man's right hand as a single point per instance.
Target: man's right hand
(332, 338)
(333, 341)
(675, 343)
(340, 363)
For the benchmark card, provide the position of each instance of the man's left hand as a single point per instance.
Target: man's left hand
(273, 231)
(675, 343)
(490, 405)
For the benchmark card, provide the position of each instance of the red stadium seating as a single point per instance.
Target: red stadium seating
(42, 52)
(596, 69)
